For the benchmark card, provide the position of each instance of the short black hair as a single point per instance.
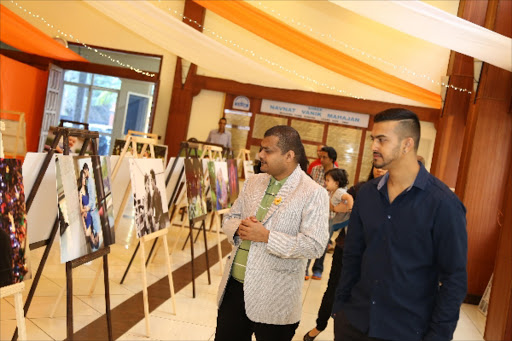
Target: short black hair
(409, 123)
(331, 153)
(86, 166)
(339, 175)
(289, 139)
(223, 118)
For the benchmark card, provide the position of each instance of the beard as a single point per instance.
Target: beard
(385, 161)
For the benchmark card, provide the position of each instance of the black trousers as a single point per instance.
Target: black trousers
(344, 331)
(234, 325)
(324, 313)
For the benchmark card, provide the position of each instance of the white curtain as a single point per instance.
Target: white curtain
(166, 31)
(424, 21)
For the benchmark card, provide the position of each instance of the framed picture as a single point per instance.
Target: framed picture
(83, 228)
(219, 181)
(149, 195)
(14, 248)
(195, 188)
(233, 180)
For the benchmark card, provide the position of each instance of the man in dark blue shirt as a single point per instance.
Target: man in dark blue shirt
(404, 264)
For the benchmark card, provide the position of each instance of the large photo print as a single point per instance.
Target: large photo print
(149, 196)
(14, 264)
(85, 216)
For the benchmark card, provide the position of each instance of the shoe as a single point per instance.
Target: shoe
(306, 277)
(317, 276)
(307, 337)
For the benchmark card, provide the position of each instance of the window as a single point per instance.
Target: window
(91, 98)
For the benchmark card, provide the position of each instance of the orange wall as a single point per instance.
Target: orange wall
(23, 88)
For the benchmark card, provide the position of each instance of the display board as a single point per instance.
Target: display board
(41, 216)
(14, 248)
(82, 232)
(149, 195)
(233, 180)
(195, 188)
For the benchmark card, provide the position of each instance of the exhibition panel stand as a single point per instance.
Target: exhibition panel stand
(90, 138)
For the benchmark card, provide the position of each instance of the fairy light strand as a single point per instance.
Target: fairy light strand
(264, 59)
(104, 55)
(400, 68)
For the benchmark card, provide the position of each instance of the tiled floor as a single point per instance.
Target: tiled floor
(195, 318)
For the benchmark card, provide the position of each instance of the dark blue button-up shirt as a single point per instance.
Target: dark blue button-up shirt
(404, 264)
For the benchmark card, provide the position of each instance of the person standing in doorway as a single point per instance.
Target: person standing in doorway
(404, 263)
(220, 136)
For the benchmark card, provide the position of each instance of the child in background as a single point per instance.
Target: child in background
(336, 181)
(340, 205)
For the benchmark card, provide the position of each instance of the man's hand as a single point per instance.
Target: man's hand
(251, 229)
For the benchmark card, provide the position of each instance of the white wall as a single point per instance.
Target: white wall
(207, 108)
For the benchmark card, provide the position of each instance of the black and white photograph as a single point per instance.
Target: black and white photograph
(149, 197)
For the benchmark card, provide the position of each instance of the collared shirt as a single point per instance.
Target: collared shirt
(404, 263)
(318, 174)
(220, 138)
(240, 261)
(316, 163)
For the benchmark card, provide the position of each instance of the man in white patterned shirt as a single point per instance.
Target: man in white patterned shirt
(279, 220)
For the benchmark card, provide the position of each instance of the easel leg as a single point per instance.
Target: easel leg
(191, 227)
(203, 225)
(144, 286)
(20, 319)
(107, 297)
(151, 251)
(69, 300)
(219, 250)
(169, 272)
(130, 263)
(57, 302)
(39, 271)
(95, 280)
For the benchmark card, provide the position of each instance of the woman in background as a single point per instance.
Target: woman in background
(83, 196)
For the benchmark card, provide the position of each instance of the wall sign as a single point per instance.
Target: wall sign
(315, 113)
(242, 103)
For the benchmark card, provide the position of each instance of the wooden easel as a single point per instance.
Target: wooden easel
(147, 142)
(16, 290)
(90, 138)
(243, 155)
(14, 133)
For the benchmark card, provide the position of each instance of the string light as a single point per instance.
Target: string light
(62, 33)
(399, 68)
(264, 59)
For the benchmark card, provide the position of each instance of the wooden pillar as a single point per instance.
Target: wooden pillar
(485, 160)
(450, 136)
(183, 92)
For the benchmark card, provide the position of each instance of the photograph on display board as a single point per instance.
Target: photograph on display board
(195, 188)
(221, 184)
(14, 248)
(160, 150)
(213, 186)
(75, 143)
(149, 197)
(82, 231)
(233, 180)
